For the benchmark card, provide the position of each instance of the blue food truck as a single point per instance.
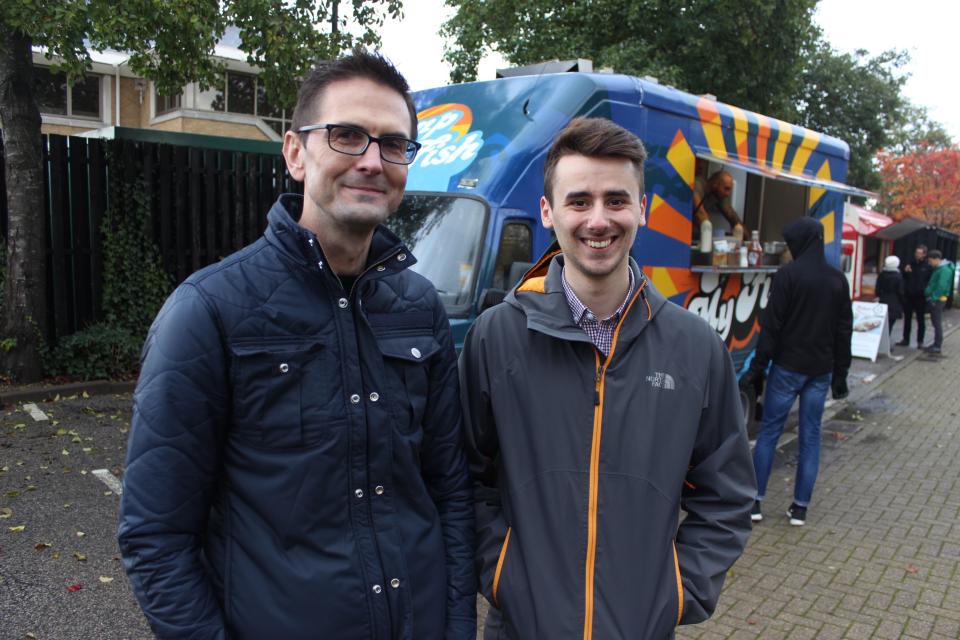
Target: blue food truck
(471, 214)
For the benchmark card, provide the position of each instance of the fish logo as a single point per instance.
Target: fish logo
(449, 146)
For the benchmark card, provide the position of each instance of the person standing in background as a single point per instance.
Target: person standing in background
(890, 290)
(916, 274)
(937, 293)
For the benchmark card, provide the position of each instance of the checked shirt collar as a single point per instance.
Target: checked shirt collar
(600, 332)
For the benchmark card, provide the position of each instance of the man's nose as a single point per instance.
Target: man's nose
(370, 160)
(597, 217)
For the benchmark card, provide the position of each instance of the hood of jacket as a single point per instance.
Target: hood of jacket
(541, 297)
(804, 238)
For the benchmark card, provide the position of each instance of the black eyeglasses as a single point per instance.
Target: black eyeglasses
(354, 142)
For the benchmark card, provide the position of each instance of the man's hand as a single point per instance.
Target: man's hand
(839, 386)
(908, 269)
(752, 379)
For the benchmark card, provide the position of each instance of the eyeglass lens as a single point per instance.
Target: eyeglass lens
(354, 142)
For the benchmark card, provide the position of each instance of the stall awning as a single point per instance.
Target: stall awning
(801, 179)
(870, 223)
(902, 228)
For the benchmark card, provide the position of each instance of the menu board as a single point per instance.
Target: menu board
(871, 336)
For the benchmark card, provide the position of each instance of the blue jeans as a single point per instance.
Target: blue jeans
(783, 387)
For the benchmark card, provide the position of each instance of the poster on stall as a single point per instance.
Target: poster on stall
(871, 337)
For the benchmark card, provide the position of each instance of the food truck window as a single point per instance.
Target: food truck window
(782, 202)
(761, 202)
(516, 245)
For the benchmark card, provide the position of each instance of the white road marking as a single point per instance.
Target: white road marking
(35, 412)
(108, 479)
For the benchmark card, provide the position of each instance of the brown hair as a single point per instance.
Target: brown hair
(359, 63)
(936, 254)
(594, 138)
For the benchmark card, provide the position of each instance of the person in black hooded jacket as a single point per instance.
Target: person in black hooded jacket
(805, 331)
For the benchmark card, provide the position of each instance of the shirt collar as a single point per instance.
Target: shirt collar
(578, 309)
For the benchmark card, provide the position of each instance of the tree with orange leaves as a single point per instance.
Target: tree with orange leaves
(924, 184)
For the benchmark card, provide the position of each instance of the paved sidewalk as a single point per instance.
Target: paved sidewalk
(879, 556)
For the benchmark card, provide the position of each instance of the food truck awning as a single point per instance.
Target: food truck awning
(870, 223)
(777, 174)
(902, 228)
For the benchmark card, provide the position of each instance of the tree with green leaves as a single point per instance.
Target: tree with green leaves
(745, 52)
(764, 55)
(857, 99)
(170, 42)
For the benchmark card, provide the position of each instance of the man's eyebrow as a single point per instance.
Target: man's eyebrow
(395, 134)
(619, 193)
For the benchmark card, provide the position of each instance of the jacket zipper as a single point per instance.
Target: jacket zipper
(594, 488)
(314, 244)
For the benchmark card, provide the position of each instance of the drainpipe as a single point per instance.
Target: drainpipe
(116, 92)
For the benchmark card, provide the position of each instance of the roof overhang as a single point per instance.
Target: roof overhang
(902, 228)
(786, 176)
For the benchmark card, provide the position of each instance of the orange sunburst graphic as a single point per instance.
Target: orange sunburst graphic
(462, 126)
(712, 129)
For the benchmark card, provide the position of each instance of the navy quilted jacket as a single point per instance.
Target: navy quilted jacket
(295, 465)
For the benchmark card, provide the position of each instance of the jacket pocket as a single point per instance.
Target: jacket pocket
(679, 583)
(498, 573)
(407, 361)
(268, 379)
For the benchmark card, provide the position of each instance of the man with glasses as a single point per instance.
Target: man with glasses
(295, 466)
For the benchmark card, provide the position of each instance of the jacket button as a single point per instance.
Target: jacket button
(374, 396)
(343, 303)
(358, 493)
(415, 352)
(284, 367)
(354, 398)
(395, 583)
(380, 267)
(377, 588)
(379, 490)
(401, 257)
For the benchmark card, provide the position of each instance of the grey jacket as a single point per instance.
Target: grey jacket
(582, 463)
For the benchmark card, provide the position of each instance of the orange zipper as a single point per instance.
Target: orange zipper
(594, 488)
(676, 566)
(496, 574)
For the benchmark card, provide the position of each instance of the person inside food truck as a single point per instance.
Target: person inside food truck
(711, 201)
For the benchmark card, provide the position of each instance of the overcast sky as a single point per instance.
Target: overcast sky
(928, 29)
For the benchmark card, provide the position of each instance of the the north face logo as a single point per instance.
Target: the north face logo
(660, 380)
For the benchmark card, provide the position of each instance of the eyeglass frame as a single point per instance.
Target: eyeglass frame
(316, 127)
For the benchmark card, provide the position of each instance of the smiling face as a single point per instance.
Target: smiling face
(352, 194)
(595, 209)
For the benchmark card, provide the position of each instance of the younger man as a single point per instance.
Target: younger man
(595, 411)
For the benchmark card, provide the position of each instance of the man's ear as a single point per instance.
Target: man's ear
(546, 213)
(643, 211)
(293, 153)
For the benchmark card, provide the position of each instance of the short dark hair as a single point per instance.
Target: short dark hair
(922, 247)
(936, 254)
(594, 138)
(359, 63)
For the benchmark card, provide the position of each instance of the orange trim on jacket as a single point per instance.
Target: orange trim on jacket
(496, 574)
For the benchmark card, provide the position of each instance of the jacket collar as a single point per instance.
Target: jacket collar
(540, 296)
(300, 244)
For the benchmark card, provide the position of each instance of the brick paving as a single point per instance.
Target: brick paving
(879, 556)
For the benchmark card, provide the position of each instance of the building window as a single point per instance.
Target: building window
(244, 93)
(56, 97)
(165, 104)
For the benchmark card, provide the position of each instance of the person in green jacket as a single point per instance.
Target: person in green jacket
(937, 292)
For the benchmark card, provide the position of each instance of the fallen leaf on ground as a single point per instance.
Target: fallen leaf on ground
(840, 436)
(751, 621)
(80, 534)
(40, 546)
(18, 528)
(12, 494)
(74, 587)
(912, 569)
(5, 513)
(56, 555)
(106, 579)
(80, 556)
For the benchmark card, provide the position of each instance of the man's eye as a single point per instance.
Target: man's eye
(617, 202)
(348, 137)
(578, 203)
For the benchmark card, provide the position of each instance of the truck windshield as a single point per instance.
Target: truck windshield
(445, 233)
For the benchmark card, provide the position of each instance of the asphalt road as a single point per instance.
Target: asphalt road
(58, 523)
